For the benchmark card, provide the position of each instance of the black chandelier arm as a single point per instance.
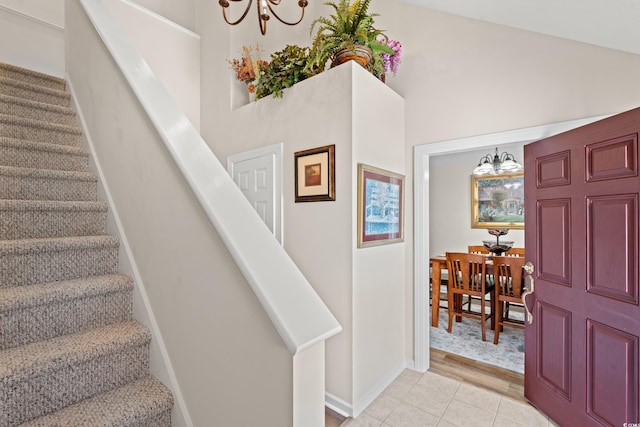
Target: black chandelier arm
(507, 156)
(301, 3)
(485, 159)
(225, 4)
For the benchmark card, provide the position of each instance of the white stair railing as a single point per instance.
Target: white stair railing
(295, 309)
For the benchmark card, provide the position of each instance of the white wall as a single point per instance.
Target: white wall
(378, 272)
(172, 52)
(181, 12)
(459, 77)
(32, 35)
(50, 11)
(450, 202)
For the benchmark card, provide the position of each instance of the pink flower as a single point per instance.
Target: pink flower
(390, 63)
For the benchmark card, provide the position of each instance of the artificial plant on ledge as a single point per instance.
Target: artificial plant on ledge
(286, 68)
(350, 29)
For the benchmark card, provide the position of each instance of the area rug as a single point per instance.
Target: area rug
(465, 340)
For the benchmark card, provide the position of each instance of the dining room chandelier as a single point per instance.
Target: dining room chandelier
(265, 10)
(498, 164)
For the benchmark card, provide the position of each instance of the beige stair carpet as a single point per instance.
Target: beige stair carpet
(70, 352)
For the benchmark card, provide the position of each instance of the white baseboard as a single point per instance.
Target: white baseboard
(410, 364)
(336, 404)
(348, 410)
(375, 391)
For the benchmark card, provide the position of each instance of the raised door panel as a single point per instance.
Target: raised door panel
(553, 170)
(554, 331)
(554, 240)
(612, 375)
(614, 158)
(612, 246)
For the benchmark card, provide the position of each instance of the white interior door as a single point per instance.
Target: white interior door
(258, 173)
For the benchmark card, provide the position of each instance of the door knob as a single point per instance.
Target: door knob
(528, 290)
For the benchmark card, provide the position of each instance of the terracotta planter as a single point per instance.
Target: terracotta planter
(359, 53)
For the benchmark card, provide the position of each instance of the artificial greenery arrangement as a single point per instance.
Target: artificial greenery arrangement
(286, 68)
(350, 26)
(351, 29)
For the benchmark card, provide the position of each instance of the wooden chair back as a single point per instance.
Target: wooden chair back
(467, 276)
(515, 252)
(507, 271)
(477, 250)
(467, 272)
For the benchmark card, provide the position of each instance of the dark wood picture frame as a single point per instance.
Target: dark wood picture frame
(315, 175)
(380, 206)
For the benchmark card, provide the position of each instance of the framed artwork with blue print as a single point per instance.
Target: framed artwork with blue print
(380, 206)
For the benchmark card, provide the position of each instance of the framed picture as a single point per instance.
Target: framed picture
(380, 207)
(315, 174)
(497, 201)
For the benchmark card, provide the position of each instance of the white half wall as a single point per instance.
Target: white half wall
(363, 288)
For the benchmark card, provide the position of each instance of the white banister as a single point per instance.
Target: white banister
(296, 310)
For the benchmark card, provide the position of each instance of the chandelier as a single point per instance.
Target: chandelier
(499, 163)
(264, 7)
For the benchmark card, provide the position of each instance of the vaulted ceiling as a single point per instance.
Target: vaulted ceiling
(609, 23)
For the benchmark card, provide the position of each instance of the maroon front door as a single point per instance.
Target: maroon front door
(582, 192)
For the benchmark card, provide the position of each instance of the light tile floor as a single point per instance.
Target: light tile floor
(429, 399)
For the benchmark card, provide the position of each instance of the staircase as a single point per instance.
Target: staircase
(70, 352)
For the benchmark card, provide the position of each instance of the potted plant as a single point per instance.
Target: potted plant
(286, 68)
(349, 34)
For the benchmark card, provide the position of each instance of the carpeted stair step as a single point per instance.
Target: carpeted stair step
(46, 376)
(36, 219)
(142, 403)
(34, 92)
(47, 310)
(44, 184)
(37, 110)
(31, 261)
(29, 76)
(39, 131)
(40, 155)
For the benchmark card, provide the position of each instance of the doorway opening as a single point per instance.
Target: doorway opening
(452, 230)
(422, 252)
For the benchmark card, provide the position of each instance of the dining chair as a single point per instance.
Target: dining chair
(477, 249)
(467, 276)
(517, 252)
(507, 271)
(443, 285)
(480, 249)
